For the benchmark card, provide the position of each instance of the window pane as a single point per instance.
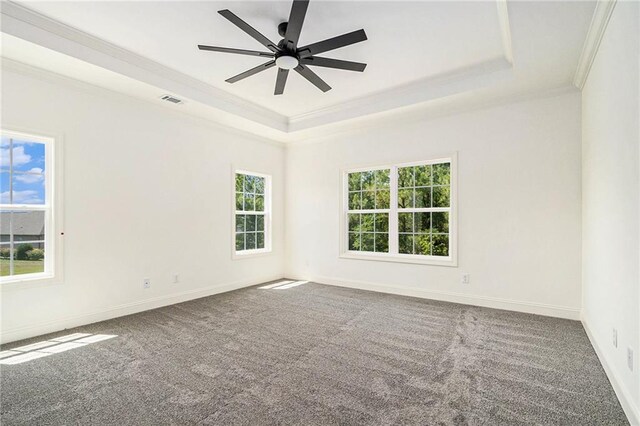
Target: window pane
(249, 184)
(368, 181)
(382, 179)
(260, 240)
(382, 222)
(422, 244)
(28, 188)
(405, 177)
(367, 241)
(368, 200)
(259, 223)
(355, 200)
(441, 196)
(259, 203)
(239, 241)
(259, 182)
(441, 245)
(4, 188)
(367, 222)
(422, 223)
(405, 222)
(423, 197)
(27, 156)
(355, 181)
(381, 242)
(251, 222)
(239, 182)
(249, 202)
(405, 243)
(240, 223)
(405, 198)
(354, 222)
(423, 175)
(250, 240)
(354, 241)
(440, 222)
(383, 199)
(239, 201)
(441, 174)
(28, 232)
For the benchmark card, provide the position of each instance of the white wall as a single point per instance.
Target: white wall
(519, 206)
(611, 214)
(147, 193)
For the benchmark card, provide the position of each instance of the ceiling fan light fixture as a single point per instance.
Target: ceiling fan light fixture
(287, 62)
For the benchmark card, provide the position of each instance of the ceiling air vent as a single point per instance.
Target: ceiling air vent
(171, 99)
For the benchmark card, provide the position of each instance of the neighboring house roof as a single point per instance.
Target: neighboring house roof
(24, 223)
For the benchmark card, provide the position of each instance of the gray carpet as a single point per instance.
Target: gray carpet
(316, 354)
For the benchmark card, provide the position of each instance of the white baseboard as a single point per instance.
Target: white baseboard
(59, 324)
(629, 406)
(484, 301)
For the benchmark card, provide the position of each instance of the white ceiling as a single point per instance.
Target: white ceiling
(417, 52)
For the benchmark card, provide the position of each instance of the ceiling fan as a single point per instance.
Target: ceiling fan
(286, 55)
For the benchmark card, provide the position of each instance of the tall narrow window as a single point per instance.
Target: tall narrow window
(368, 211)
(402, 212)
(26, 207)
(252, 213)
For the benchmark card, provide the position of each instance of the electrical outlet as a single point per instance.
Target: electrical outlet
(146, 283)
(615, 338)
(630, 358)
(176, 278)
(466, 278)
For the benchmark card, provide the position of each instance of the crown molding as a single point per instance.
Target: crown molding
(10, 65)
(429, 111)
(505, 29)
(31, 26)
(457, 81)
(597, 28)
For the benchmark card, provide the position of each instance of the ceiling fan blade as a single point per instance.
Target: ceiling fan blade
(249, 30)
(281, 80)
(238, 51)
(332, 43)
(333, 63)
(251, 72)
(312, 77)
(294, 25)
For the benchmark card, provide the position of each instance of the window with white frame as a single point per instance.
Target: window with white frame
(252, 219)
(26, 207)
(402, 212)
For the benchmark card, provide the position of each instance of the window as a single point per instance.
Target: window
(403, 212)
(26, 207)
(252, 219)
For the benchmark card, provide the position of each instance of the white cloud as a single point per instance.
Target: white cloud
(28, 178)
(20, 158)
(21, 197)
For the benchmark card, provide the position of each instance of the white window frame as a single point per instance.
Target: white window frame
(52, 207)
(393, 255)
(245, 254)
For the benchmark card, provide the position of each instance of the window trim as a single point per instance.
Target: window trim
(53, 274)
(393, 255)
(246, 254)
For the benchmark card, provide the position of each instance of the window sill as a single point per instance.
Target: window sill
(398, 258)
(29, 281)
(247, 254)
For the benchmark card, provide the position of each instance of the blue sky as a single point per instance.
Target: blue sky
(28, 188)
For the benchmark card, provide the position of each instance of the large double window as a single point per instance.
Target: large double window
(252, 219)
(403, 212)
(26, 207)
